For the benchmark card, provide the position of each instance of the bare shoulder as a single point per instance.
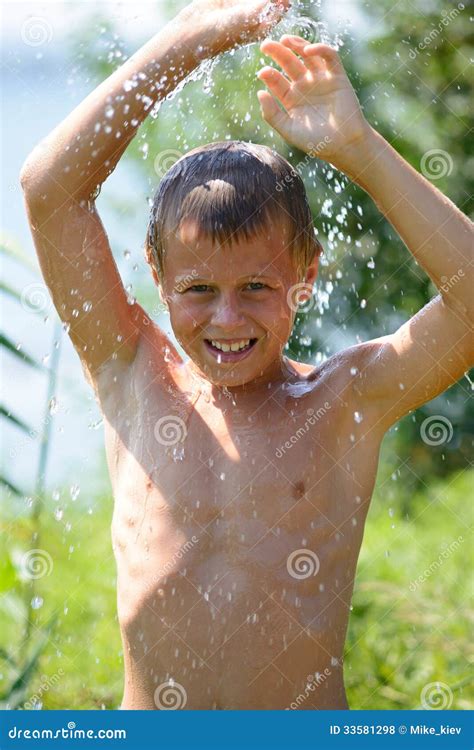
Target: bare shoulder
(342, 379)
(342, 369)
(155, 361)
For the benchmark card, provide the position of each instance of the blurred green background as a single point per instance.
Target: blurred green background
(59, 639)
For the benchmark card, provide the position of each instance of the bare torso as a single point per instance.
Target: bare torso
(236, 547)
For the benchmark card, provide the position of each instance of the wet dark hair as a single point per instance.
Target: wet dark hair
(232, 190)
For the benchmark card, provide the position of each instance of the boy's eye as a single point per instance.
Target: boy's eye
(254, 285)
(198, 288)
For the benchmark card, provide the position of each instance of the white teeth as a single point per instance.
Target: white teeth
(231, 347)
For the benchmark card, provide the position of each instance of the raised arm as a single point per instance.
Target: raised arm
(62, 174)
(321, 115)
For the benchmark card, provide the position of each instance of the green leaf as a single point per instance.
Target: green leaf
(10, 291)
(6, 483)
(8, 344)
(4, 412)
(9, 246)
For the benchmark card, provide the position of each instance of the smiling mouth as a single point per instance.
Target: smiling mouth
(230, 351)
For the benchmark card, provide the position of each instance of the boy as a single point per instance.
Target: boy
(241, 478)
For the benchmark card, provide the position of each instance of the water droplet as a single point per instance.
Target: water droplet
(53, 406)
(358, 417)
(178, 452)
(363, 303)
(58, 514)
(222, 475)
(74, 491)
(36, 602)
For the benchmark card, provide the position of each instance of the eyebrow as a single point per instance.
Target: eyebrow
(195, 279)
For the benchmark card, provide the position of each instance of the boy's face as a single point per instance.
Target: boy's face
(229, 296)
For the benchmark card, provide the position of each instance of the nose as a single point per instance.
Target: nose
(227, 315)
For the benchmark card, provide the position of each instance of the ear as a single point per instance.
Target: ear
(312, 271)
(310, 276)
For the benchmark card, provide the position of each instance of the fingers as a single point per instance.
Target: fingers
(285, 58)
(298, 45)
(276, 82)
(271, 112)
(329, 54)
(315, 56)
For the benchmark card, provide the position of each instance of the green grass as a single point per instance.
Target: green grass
(399, 639)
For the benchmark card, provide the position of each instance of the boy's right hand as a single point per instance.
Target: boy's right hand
(227, 23)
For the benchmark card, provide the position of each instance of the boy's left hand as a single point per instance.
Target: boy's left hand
(321, 114)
